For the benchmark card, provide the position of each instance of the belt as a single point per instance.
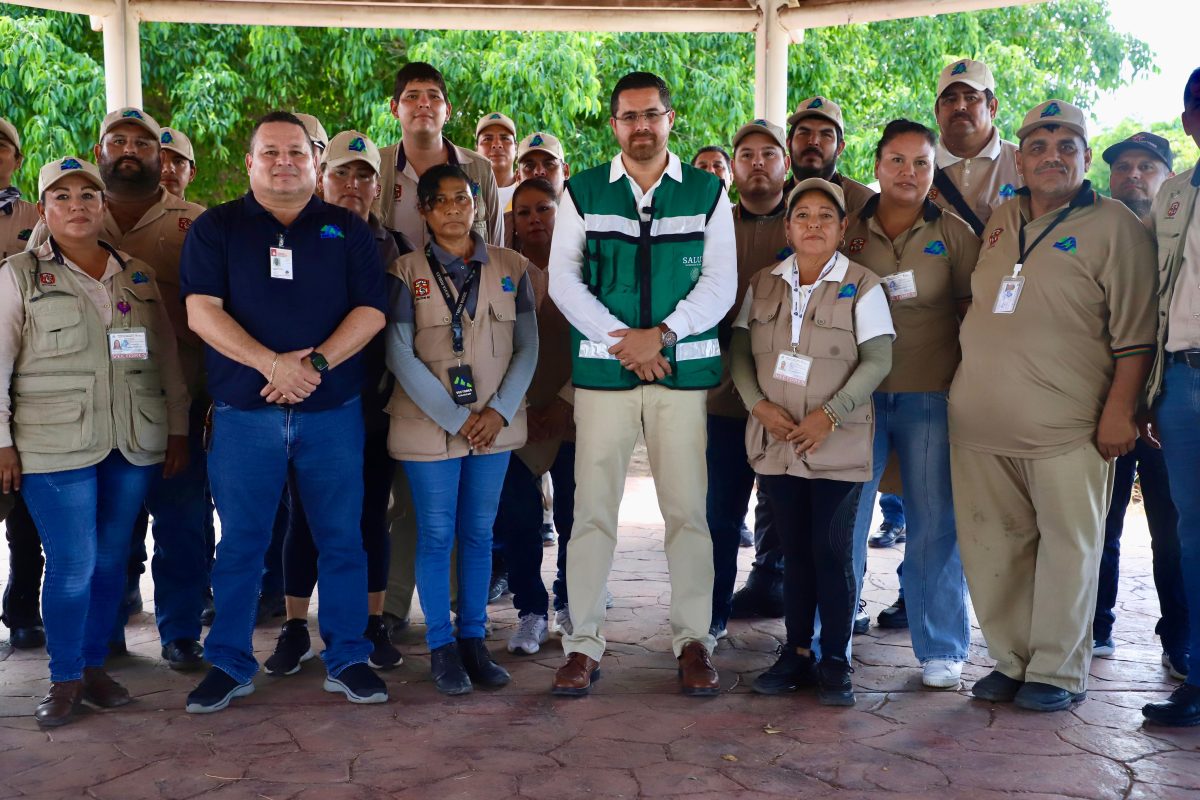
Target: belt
(1189, 357)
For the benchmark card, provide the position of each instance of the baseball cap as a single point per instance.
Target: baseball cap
(1054, 112)
(60, 168)
(975, 74)
(1156, 145)
(818, 107)
(541, 141)
(175, 140)
(495, 118)
(9, 131)
(349, 146)
(761, 126)
(129, 114)
(314, 129)
(821, 185)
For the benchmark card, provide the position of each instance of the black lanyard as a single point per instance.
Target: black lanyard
(442, 278)
(1084, 197)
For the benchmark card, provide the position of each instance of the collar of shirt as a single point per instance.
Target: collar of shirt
(740, 211)
(616, 171)
(945, 159)
(930, 212)
(253, 207)
(45, 252)
(451, 261)
(1086, 196)
(449, 146)
(834, 269)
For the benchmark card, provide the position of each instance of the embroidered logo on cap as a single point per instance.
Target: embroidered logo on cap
(140, 277)
(70, 163)
(494, 116)
(184, 223)
(131, 112)
(46, 279)
(1051, 110)
(816, 103)
(357, 145)
(959, 68)
(1138, 137)
(1066, 244)
(995, 237)
(1008, 190)
(506, 283)
(420, 288)
(857, 245)
(761, 122)
(332, 232)
(1173, 210)
(166, 137)
(849, 290)
(537, 141)
(936, 248)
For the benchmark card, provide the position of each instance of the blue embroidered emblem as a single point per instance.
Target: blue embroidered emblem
(474, 189)
(537, 140)
(1067, 244)
(131, 112)
(1051, 110)
(166, 137)
(357, 145)
(332, 232)
(70, 163)
(140, 277)
(494, 116)
(816, 103)
(959, 68)
(1008, 190)
(761, 122)
(849, 290)
(24, 235)
(936, 248)
(506, 283)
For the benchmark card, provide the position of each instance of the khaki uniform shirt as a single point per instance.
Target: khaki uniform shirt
(1032, 383)
(985, 181)
(1176, 223)
(940, 251)
(761, 242)
(16, 227)
(157, 239)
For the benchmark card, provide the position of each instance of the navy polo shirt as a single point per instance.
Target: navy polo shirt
(335, 268)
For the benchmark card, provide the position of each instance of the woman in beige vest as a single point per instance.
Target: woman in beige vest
(88, 357)
(462, 343)
(812, 341)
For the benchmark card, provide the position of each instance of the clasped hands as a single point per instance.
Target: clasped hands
(806, 435)
(294, 378)
(640, 352)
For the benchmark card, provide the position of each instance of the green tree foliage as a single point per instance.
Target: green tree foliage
(211, 81)
(1185, 150)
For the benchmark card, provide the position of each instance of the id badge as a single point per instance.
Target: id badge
(128, 345)
(793, 368)
(900, 285)
(281, 263)
(1009, 294)
(462, 385)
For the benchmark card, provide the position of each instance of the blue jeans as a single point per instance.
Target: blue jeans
(1147, 463)
(252, 454)
(913, 424)
(730, 484)
(1178, 415)
(455, 502)
(84, 517)
(892, 506)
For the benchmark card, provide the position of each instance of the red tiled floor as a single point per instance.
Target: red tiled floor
(634, 737)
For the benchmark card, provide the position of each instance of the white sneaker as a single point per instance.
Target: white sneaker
(562, 622)
(1172, 670)
(531, 632)
(941, 673)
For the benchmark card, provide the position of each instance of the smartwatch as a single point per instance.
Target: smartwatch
(669, 337)
(318, 361)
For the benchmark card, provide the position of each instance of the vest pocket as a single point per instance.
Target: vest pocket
(147, 413)
(56, 323)
(411, 433)
(762, 329)
(847, 448)
(53, 413)
(503, 311)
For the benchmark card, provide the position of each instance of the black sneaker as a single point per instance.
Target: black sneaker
(359, 684)
(497, 588)
(215, 692)
(480, 667)
(384, 654)
(183, 654)
(292, 648)
(862, 620)
(1180, 710)
(895, 616)
(760, 598)
(833, 682)
(789, 672)
(888, 535)
(446, 666)
(208, 612)
(549, 537)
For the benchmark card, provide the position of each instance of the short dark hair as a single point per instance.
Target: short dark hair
(1187, 87)
(279, 116)
(640, 80)
(541, 184)
(417, 71)
(431, 181)
(899, 127)
(712, 148)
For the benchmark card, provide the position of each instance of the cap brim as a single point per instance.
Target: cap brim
(175, 149)
(1071, 126)
(808, 113)
(545, 150)
(97, 182)
(133, 121)
(339, 162)
(976, 85)
(1113, 152)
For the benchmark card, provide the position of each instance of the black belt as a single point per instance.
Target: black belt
(1189, 357)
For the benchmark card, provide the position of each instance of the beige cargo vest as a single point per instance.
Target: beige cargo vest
(829, 338)
(72, 404)
(487, 348)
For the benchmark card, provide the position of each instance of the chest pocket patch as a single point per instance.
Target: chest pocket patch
(57, 325)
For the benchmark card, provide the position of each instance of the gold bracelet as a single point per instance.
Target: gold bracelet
(833, 420)
(274, 364)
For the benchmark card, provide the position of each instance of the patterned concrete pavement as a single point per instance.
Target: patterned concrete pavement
(635, 736)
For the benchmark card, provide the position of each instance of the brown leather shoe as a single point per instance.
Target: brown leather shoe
(59, 704)
(574, 678)
(697, 675)
(101, 690)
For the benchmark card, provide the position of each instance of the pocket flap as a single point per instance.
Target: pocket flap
(504, 308)
(764, 310)
(54, 314)
(55, 412)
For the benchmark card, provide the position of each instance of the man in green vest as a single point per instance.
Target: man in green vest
(643, 266)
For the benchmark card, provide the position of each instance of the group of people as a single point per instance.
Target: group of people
(369, 361)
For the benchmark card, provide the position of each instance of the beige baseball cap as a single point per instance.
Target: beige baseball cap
(175, 140)
(350, 146)
(129, 114)
(975, 74)
(314, 128)
(541, 141)
(495, 118)
(761, 126)
(9, 131)
(60, 168)
(821, 185)
(818, 107)
(1054, 112)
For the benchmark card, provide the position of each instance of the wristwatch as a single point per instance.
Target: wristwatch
(318, 361)
(669, 337)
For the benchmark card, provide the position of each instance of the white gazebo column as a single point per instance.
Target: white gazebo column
(770, 64)
(122, 57)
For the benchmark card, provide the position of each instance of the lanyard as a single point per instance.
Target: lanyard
(1084, 194)
(799, 306)
(442, 278)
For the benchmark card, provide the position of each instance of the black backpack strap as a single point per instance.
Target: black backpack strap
(946, 186)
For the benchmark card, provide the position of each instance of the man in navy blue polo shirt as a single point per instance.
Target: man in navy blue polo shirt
(285, 290)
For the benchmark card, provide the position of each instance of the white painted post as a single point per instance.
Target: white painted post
(122, 57)
(770, 62)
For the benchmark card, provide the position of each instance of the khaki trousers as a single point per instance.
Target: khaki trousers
(607, 425)
(1031, 532)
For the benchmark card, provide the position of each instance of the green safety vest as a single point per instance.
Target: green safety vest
(641, 270)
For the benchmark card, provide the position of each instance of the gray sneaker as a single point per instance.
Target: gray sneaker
(562, 622)
(530, 633)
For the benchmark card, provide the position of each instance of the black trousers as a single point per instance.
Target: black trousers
(23, 591)
(815, 522)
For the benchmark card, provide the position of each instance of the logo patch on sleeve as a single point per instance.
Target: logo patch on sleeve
(184, 223)
(140, 277)
(1173, 210)
(46, 279)
(506, 283)
(398, 192)
(1067, 244)
(994, 237)
(24, 235)
(332, 232)
(849, 290)
(1008, 190)
(420, 288)
(933, 193)
(936, 248)
(857, 245)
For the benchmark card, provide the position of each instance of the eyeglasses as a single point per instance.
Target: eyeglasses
(633, 117)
